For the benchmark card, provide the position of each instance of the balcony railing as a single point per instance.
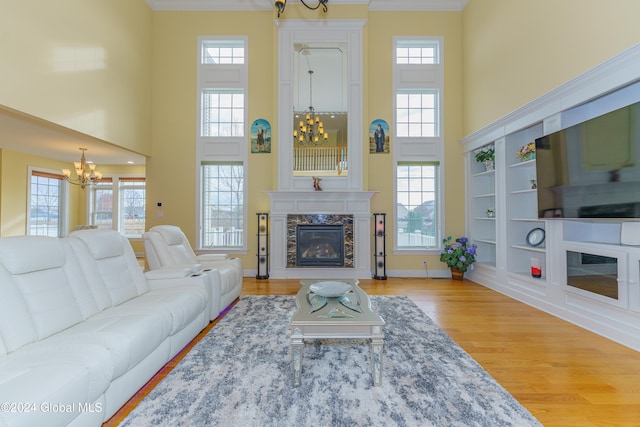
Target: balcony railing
(328, 160)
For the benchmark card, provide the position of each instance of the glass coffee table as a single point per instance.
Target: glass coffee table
(334, 309)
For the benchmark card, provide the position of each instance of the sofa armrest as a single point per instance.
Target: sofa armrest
(212, 257)
(168, 273)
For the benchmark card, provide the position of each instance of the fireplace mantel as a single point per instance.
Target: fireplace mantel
(356, 203)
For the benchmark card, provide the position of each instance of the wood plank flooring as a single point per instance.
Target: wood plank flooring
(563, 374)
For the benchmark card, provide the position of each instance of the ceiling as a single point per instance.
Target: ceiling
(24, 133)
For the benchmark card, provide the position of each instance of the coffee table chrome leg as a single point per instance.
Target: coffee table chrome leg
(297, 348)
(376, 354)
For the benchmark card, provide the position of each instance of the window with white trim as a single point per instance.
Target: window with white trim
(419, 143)
(221, 145)
(46, 196)
(417, 52)
(416, 113)
(223, 207)
(417, 205)
(222, 52)
(223, 112)
(118, 203)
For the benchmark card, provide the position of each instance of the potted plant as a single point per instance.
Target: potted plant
(458, 255)
(486, 156)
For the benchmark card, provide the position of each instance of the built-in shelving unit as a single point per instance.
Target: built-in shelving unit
(522, 205)
(576, 252)
(483, 198)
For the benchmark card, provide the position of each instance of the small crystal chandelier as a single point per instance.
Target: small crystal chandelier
(280, 5)
(85, 175)
(311, 129)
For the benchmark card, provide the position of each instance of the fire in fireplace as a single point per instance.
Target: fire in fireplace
(320, 245)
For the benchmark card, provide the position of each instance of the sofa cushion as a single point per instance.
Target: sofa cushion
(36, 289)
(114, 267)
(95, 359)
(171, 235)
(128, 336)
(22, 254)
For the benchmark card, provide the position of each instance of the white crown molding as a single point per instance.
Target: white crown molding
(419, 5)
(388, 5)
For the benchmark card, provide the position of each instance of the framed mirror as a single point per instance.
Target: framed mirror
(332, 49)
(320, 110)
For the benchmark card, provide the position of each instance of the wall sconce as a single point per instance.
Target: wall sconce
(280, 5)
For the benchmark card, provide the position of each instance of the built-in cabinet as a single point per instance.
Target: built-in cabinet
(588, 276)
(522, 205)
(482, 212)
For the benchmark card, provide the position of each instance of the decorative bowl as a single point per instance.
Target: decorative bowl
(330, 288)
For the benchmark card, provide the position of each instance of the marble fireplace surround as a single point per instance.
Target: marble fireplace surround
(285, 204)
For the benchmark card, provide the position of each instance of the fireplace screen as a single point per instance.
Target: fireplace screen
(320, 246)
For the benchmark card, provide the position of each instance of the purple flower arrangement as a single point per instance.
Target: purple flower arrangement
(458, 254)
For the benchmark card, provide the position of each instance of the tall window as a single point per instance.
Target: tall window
(416, 113)
(118, 203)
(102, 204)
(45, 204)
(417, 203)
(132, 206)
(221, 145)
(419, 154)
(223, 112)
(222, 205)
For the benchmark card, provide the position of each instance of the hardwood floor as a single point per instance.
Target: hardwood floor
(563, 374)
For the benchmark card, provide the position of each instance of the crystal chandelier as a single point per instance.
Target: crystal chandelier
(280, 5)
(310, 130)
(86, 173)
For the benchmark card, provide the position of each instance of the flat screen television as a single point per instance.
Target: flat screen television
(591, 169)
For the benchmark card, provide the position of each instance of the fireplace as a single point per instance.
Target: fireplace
(320, 241)
(319, 245)
(349, 209)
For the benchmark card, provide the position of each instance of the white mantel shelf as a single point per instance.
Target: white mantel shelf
(356, 203)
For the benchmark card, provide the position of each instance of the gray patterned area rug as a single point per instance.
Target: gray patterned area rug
(239, 375)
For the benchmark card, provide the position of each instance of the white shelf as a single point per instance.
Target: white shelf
(541, 249)
(531, 162)
(491, 242)
(528, 219)
(528, 190)
(484, 173)
(485, 195)
(485, 218)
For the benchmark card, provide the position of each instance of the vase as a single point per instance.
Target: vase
(456, 273)
(488, 165)
(528, 156)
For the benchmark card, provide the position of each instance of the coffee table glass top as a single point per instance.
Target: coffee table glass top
(340, 299)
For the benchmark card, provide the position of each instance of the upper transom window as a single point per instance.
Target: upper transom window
(223, 52)
(417, 52)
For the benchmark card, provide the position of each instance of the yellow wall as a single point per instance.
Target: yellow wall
(120, 72)
(381, 28)
(82, 64)
(14, 176)
(516, 51)
(171, 168)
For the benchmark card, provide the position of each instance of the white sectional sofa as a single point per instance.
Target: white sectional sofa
(166, 246)
(82, 328)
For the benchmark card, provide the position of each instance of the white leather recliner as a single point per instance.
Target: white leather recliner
(167, 246)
